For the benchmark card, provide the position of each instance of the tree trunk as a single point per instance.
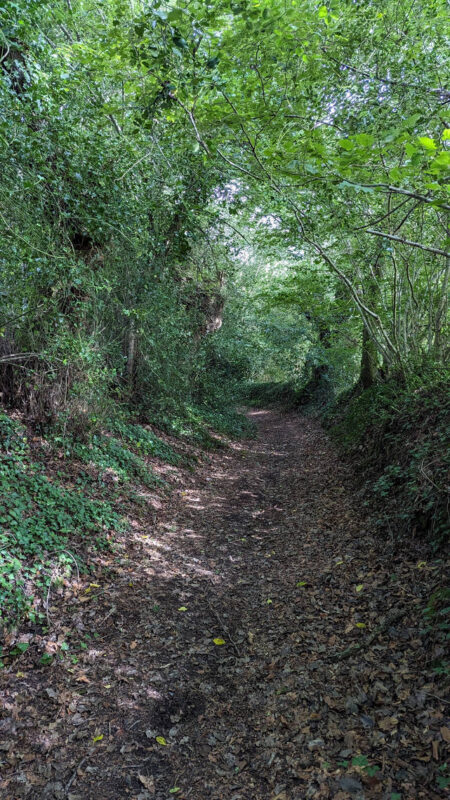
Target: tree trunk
(319, 390)
(441, 314)
(131, 354)
(369, 370)
(369, 361)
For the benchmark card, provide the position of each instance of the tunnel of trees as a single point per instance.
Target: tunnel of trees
(205, 204)
(224, 399)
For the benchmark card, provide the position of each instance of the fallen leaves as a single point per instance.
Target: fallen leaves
(82, 678)
(148, 782)
(388, 724)
(283, 710)
(445, 733)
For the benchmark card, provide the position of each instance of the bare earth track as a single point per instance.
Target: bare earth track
(322, 688)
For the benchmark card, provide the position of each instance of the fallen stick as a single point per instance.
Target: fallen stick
(392, 616)
(74, 773)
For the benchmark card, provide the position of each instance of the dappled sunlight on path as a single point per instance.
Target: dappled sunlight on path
(215, 666)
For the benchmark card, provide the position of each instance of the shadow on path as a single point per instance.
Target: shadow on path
(267, 552)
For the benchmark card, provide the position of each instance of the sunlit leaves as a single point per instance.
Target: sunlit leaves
(427, 143)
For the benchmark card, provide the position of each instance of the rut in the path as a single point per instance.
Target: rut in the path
(266, 550)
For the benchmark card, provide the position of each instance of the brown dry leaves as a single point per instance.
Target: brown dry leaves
(273, 712)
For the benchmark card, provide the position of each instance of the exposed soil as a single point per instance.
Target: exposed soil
(323, 686)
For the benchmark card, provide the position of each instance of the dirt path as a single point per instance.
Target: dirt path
(266, 550)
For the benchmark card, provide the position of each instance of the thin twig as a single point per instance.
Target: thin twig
(226, 629)
(74, 774)
(444, 93)
(146, 155)
(12, 357)
(193, 122)
(393, 616)
(111, 611)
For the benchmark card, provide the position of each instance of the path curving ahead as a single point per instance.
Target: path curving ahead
(266, 550)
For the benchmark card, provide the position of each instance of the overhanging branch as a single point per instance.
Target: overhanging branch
(399, 239)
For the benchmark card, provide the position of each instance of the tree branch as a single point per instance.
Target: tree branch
(444, 93)
(397, 190)
(116, 125)
(18, 357)
(191, 117)
(380, 219)
(399, 239)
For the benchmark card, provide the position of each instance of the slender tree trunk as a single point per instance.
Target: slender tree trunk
(369, 361)
(369, 354)
(442, 307)
(131, 354)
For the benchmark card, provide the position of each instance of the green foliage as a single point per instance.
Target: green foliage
(171, 166)
(46, 515)
(227, 421)
(286, 395)
(39, 515)
(198, 424)
(443, 780)
(38, 518)
(108, 453)
(145, 441)
(113, 266)
(400, 435)
(142, 146)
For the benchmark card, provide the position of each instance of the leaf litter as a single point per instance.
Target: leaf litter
(323, 684)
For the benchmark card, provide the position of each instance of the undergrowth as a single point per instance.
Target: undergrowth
(108, 454)
(199, 423)
(287, 395)
(145, 441)
(58, 503)
(398, 433)
(39, 517)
